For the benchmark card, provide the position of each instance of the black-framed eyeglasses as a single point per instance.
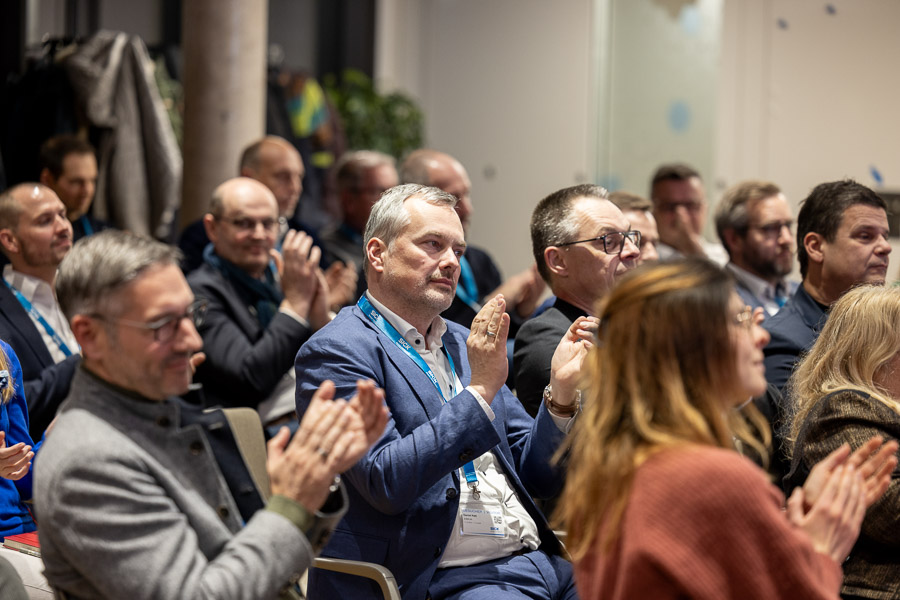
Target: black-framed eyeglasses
(248, 225)
(164, 329)
(773, 229)
(613, 242)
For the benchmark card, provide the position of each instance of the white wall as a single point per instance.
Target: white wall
(505, 87)
(808, 94)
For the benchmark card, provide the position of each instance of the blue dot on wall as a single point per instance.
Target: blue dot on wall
(690, 19)
(679, 116)
(610, 182)
(876, 175)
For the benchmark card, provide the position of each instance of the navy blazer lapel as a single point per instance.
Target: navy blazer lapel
(19, 320)
(419, 383)
(462, 366)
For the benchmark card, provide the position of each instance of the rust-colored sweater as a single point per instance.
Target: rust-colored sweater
(705, 523)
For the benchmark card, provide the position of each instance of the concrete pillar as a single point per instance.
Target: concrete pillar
(224, 44)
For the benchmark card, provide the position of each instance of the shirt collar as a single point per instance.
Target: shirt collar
(758, 287)
(37, 291)
(411, 334)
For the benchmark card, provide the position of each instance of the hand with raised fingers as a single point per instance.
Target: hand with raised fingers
(300, 262)
(875, 461)
(486, 348)
(304, 468)
(568, 359)
(341, 280)
(833, 521)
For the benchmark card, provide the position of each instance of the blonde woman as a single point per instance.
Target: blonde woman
(846, 390)
(657, 503)
(15, 448)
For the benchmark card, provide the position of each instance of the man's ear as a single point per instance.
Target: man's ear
(734, 242)
(813, 243)
(47, 177)
(9, 241)
(209, 224)
(91, 335)
(375, 251)
(555, 259)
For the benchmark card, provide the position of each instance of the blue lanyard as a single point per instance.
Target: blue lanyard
(467, 290)
(86, 225)
(40, 319)
(389, 330)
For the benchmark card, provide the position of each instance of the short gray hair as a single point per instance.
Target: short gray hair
(352, 166)
(100, 265)
(389, 215)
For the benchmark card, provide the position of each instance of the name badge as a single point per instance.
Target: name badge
(478, 519)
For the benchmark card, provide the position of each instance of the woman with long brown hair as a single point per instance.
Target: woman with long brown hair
(657, 503)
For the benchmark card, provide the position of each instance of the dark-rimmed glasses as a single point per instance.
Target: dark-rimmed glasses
(246, 224)
(613, 242)
(164, 329)
(773, 229)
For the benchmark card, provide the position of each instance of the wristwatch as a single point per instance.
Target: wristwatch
(562, 410)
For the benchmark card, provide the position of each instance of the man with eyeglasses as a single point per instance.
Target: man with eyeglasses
(262, 305)
(35, 235)
(754, 222)
(361, 177)
(842, 242)
(679, 206)
(444, 499)
(142, 494)
(582, 243)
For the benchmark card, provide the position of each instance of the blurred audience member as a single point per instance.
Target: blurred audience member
(657, 503)
(755, 224)
(639, 212)
(845, 391)
(69, 168)
(680, 207)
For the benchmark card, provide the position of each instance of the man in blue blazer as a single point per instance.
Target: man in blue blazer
(842, 242)
(444, 498)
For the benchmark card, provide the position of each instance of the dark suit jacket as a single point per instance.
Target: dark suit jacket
(753, 301)
(535, 344)
(487, 279)
(794, 329)
(404, 494)
(46, 382)
(852, 416)
(244, 362)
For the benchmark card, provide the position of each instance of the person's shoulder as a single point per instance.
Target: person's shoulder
(705, 474)
(551, 320)
(205, 277)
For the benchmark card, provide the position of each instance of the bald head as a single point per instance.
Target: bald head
(277, 164)
(243, 223)
(34, 232)
(440, 170)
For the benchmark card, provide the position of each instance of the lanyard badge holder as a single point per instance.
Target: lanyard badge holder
(389, 330)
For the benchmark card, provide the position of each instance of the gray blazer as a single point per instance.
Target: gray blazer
(133, 505)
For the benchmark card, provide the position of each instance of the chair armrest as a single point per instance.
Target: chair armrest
(381, 575)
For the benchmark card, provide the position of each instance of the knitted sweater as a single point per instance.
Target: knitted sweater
(705, 523)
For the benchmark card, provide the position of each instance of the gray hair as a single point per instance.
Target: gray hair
(99, 266)
(389, 215)
(553, 223)
(352, 166)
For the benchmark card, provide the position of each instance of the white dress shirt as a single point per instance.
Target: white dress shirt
(43, 300)
(520, 530)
